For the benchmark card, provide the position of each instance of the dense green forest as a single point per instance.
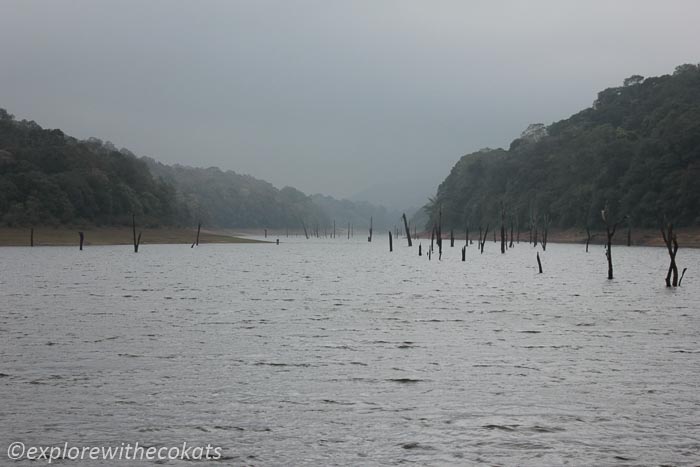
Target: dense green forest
(49, 178)
(636, 150)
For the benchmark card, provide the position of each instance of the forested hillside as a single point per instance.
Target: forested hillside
(636, 149)
(48, 178)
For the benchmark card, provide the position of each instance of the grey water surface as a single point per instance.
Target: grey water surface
(337, 352)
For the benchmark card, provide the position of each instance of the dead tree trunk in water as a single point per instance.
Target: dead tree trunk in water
(452, 238)
(199, 227)
(545, 233)
(539, 263)
(432, 238)
(82, 239)
(137, 241)
(420, 249)
(391, 243)
(672, 246)
(31, 237)
(348, 230)
(408, 231)
(503, 229)
(369, 239)
(610, 231)
(464, 253)
(306, 232)
(482, 241)
(589, 237)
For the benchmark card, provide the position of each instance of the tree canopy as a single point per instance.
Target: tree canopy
(49, 178)
(636, 150)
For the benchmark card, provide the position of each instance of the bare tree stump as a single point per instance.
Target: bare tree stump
(539, 263)
(503, 229)
(483, 242)
(391, 243)
(408, 231)
(672, 246)
(82, 238)
(137, 241)
(545, 233)
(199, 228)
(31, 237)
(610, 231)
(589, 237)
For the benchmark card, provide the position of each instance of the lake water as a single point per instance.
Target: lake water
(326, 352)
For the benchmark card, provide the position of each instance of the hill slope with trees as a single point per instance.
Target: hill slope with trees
(49, 178)
(636, 150)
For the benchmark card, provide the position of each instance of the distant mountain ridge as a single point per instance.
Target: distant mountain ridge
(636, 151)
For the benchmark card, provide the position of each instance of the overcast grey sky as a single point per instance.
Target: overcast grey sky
(327, 96)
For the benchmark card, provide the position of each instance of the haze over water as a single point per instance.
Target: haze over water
(339, 352)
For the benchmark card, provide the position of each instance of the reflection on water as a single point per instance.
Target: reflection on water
(337, 351)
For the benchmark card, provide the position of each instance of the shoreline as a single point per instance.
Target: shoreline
(68, 236)
(688, 237)
(94, 236)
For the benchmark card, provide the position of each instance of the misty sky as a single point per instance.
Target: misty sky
(327, 96)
